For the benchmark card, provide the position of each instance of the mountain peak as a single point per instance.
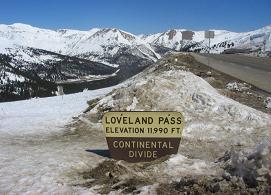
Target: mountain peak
(114, 33)
(21, 25)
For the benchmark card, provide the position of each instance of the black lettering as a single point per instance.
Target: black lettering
(166, 121)
(107, 122)
(172, 120)
(150, 121)
(125, 120)
(137, 121)
(179, 120)
(130, 122)
(161, 119)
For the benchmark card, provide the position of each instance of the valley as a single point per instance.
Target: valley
(65, 151)
(34, 61)
(135, 97)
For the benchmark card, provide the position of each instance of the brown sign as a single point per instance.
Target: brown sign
(142, 136)
(187, 35)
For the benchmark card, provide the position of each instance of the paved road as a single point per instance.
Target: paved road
(253, 70)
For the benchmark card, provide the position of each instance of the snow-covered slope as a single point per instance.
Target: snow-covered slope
(17, 117)
(29, 54)
(103, 44)
(40, 156)
(223, 40)
(27, 72)
(214, 123)
(208, 115)
(95, 44)
(31, 162)
(58, 55)
(173, 38)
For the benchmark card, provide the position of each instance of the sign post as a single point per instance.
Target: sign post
(266, 36)
(142, 136)
(209, 35)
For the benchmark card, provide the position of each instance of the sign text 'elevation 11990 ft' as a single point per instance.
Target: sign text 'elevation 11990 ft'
(142, 136)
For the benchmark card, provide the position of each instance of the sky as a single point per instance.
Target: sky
(138, 16)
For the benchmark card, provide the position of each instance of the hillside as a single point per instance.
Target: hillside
(33, 61)
(257, 40)
(225, 146)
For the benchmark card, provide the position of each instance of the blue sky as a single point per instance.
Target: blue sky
(139, 16)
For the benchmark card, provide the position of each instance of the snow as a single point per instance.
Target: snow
(12, 77)
(94, 44)
(40, 156)
(235, 86)
(149, 189)
(163, 39)
(208, 115)
(89, 78)
(180, 165)
(97, 41)
(38, 115)
(37, 156)
(101, 45)
(95, 59)
(4, 44)
(213, 122)
(268, 102)
(22, 54)
(133, 105)
(252, 39)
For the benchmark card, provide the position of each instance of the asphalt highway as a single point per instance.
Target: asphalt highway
(253, 70)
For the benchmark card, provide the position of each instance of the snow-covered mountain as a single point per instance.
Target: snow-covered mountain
(104, 44)
(30, 55)
(254, 40)
(95, 44)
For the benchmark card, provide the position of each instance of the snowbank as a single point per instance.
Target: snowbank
(38, 157)
(209, 116)
(268, 102)
(37, 154)
(44, 115)
(214, 123)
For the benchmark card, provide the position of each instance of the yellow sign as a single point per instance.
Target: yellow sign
(142, 136)
(143, 124)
